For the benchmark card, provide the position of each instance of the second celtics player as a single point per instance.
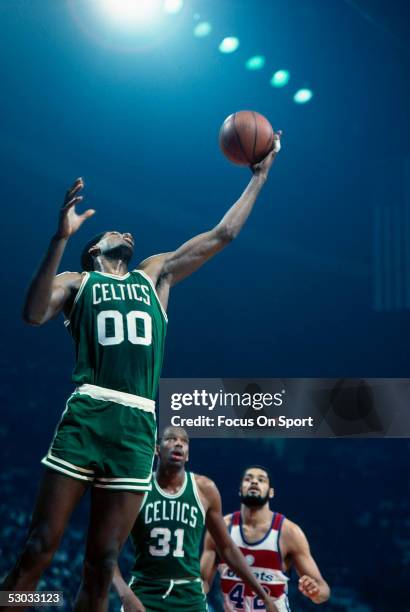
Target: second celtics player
(167, 537)
(106, 437)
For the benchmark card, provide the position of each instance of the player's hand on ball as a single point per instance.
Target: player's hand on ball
(263, 167)
(131, 603)
(70, 221)
(309, 587)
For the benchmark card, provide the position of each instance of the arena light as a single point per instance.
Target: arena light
(131, 11)
(202, 29)
(173, 7)
(280, 78)
(302, 96)
(256, 62)
(229, 44)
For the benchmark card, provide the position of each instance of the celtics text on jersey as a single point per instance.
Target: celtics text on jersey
(167, 533)
(118, 326)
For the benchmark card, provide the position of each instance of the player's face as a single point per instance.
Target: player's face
(255, 488)
(174, 447)
(117, 245)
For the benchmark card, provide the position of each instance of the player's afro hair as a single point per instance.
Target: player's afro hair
(87, 262)
(259, 467)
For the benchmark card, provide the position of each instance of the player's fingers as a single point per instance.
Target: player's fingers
(87, 214)
(72, 202)
(75, 188)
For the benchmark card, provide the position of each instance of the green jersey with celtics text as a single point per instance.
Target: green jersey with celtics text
(118, 326)
(167, 533)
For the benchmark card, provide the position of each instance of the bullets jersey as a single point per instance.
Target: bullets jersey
(167, 533)
(118, 326)
(265, 562)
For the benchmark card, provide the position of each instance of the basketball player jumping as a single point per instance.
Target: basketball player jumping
(106, 436)
(167, 536)
(271, 544)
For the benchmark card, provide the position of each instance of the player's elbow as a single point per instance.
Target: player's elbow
(31, 319)
(226, 234)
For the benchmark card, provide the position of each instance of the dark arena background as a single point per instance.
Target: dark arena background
(316, 285)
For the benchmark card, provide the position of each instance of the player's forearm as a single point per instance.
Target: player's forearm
(119, 584)
(324, 593)
(236, 561)
(232, 223)
(39, 292)
(208, 569)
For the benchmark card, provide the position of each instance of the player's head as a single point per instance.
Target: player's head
(256, 486)
(173, 448)
(112, 245)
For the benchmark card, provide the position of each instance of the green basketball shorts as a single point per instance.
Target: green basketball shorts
(166, 595)
(106, 438)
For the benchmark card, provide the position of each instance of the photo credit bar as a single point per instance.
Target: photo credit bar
(292, 407)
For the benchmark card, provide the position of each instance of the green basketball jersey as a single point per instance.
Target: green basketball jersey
(118, 326)
(167, 533)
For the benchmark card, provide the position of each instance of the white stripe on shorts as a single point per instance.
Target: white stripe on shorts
(118, 397)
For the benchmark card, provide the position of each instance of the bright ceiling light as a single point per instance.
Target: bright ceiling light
(280, 78)
(302, 96)
(173, 6)
(202, 29)
(256, 62)
(229, 44)
(132, 11)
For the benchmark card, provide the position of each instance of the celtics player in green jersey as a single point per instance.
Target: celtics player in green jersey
(167, 537)
(106, 437)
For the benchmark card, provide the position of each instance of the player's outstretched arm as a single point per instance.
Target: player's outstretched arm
(227, 549)
(130, 602)
(177, 265)
(311, 582)
(47, 294)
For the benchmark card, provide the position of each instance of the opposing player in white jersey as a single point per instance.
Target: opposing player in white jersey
(271, 543)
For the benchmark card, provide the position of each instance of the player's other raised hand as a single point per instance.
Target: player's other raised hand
(309, 587)
(69, 220)
(263, 167)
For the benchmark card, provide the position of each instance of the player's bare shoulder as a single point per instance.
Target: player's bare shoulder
(292, 537)
(65, 288)
(208, 490)
(205, 484)
(153, 266)
(70, 280)
(291, 529)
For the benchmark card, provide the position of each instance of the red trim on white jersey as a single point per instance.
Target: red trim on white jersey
(265, 561)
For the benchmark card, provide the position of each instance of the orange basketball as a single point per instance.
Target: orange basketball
(246, 137)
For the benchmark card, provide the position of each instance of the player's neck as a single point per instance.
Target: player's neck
(170, 479)
(254, 516)
(117, 267)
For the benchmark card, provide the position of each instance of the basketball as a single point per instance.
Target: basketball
(246, 137)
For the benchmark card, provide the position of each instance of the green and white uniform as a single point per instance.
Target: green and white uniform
(107, 432)
(167, 537)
